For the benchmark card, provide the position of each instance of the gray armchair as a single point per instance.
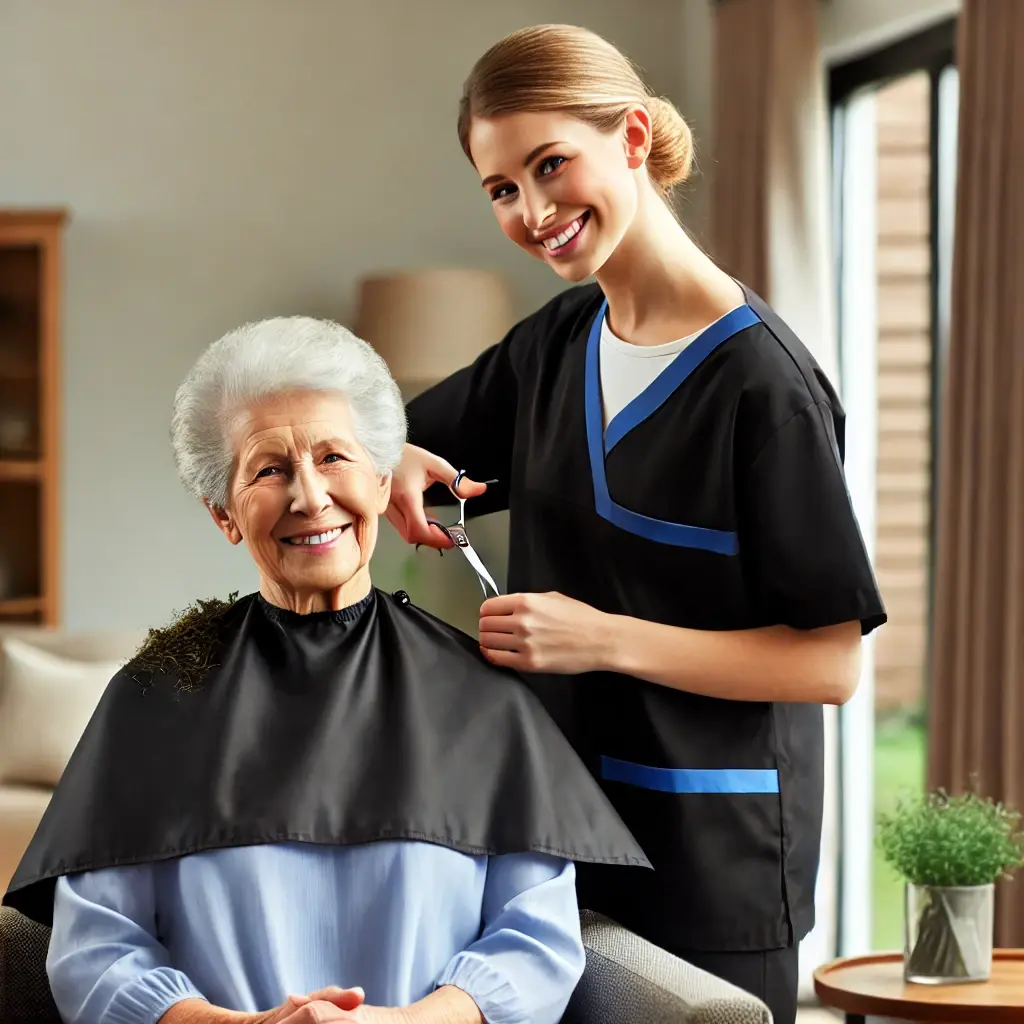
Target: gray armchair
(627, 981)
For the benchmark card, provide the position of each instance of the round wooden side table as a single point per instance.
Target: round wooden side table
(863, 986)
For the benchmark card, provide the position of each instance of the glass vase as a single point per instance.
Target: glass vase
(948, 934)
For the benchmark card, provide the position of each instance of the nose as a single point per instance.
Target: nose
(309, 495)
(538, 209)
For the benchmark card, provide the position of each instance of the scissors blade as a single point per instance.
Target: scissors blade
(481, 570)
(461, 541)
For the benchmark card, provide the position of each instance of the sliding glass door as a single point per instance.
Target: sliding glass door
(894, 145)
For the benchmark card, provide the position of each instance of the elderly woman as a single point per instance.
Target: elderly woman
(316, 802)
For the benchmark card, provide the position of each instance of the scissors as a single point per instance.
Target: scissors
(456, 533)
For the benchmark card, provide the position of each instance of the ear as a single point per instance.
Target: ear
(225, 522)
(637, 136)
(383, 493)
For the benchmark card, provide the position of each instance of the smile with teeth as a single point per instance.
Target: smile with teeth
(567, 234)
(316, 538)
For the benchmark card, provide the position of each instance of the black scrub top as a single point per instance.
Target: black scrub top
(715, 500)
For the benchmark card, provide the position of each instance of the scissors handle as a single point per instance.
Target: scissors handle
(456, 533)
(454, 485)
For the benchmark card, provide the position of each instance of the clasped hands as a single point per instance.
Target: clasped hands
(325, 1005)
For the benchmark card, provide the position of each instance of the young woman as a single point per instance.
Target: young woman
(688, 584)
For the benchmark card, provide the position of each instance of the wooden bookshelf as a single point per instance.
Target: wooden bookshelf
(30, 314)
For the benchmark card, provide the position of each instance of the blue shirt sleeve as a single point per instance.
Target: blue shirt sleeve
(530, 956)
(105, 963)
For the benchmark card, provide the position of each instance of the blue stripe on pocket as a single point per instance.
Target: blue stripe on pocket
(691, 780)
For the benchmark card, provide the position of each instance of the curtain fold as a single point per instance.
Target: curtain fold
(770, 210)
(976, 718)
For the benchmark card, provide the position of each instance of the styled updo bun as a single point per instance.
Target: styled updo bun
(671, 154)
(574, 71)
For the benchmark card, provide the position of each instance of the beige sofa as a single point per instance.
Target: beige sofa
(49, 683)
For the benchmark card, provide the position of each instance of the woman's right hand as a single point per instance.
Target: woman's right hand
(418, 470)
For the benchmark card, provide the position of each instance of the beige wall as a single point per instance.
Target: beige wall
(849, 27)
(225, 161)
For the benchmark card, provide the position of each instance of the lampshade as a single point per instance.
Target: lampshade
(429, 323)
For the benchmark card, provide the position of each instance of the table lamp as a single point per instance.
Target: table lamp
(429, 323)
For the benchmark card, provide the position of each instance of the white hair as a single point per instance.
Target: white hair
(268, 358)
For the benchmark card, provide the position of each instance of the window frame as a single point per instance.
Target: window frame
(932, 50)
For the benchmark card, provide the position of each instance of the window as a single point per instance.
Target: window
(894, 145)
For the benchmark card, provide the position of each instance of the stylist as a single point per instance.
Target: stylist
(688, 584)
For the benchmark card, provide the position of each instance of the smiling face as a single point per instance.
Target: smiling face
(305, 499)
(561, 189)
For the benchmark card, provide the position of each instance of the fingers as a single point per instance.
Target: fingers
(503, 659)
(503, 605)
(468, 488)
(439, 471)
(500, 641)
(419, 471)
(317, 1011)
(499, 625)
(414, 527)
(342, 998)
(288, 1012)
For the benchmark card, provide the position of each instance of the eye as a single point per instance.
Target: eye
(334, 457)
(267, 471)
(502, 192)
(549, 165)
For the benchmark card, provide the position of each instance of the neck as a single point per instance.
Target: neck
(657, 277)
(304, 602)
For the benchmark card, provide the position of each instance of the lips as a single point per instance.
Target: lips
(315, 539)
(565, 235)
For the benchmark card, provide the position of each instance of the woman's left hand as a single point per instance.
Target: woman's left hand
(543, 633)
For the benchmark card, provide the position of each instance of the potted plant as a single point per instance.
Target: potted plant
(950, 851)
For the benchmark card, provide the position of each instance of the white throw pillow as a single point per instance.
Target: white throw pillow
(46, 702)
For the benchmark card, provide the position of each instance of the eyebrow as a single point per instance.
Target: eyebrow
(271, 446)
(530, 157)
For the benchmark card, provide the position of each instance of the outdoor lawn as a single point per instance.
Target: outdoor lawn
(899, 772)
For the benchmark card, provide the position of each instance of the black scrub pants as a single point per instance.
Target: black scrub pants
(771, 975)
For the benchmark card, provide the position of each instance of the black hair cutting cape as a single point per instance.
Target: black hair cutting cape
(378, 722)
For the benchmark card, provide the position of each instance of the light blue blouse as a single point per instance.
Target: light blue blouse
(246, 927)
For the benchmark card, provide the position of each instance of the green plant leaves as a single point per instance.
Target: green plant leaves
(940, 840)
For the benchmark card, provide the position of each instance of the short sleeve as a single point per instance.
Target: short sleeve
(803, 555)
(469, 420)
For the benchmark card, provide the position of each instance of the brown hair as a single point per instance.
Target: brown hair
(574, 71)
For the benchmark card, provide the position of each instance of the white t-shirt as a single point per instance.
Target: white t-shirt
(626, 370)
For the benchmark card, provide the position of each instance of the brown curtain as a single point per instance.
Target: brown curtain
(976, 729)
(770, 201)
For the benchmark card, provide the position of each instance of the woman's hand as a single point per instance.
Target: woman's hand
(543, 633)
(329, 1004)
(418, 470)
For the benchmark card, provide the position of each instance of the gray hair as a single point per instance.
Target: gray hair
(267, 358)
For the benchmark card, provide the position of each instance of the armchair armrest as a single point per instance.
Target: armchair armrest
(630, 979)
(24, 987)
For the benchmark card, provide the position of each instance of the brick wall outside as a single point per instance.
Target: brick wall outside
(904, 390)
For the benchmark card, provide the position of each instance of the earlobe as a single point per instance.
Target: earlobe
(225, 522)
(383, 493)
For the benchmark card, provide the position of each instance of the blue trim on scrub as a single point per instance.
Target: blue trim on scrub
(721, 542)
(691, 780)
(661, 389)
